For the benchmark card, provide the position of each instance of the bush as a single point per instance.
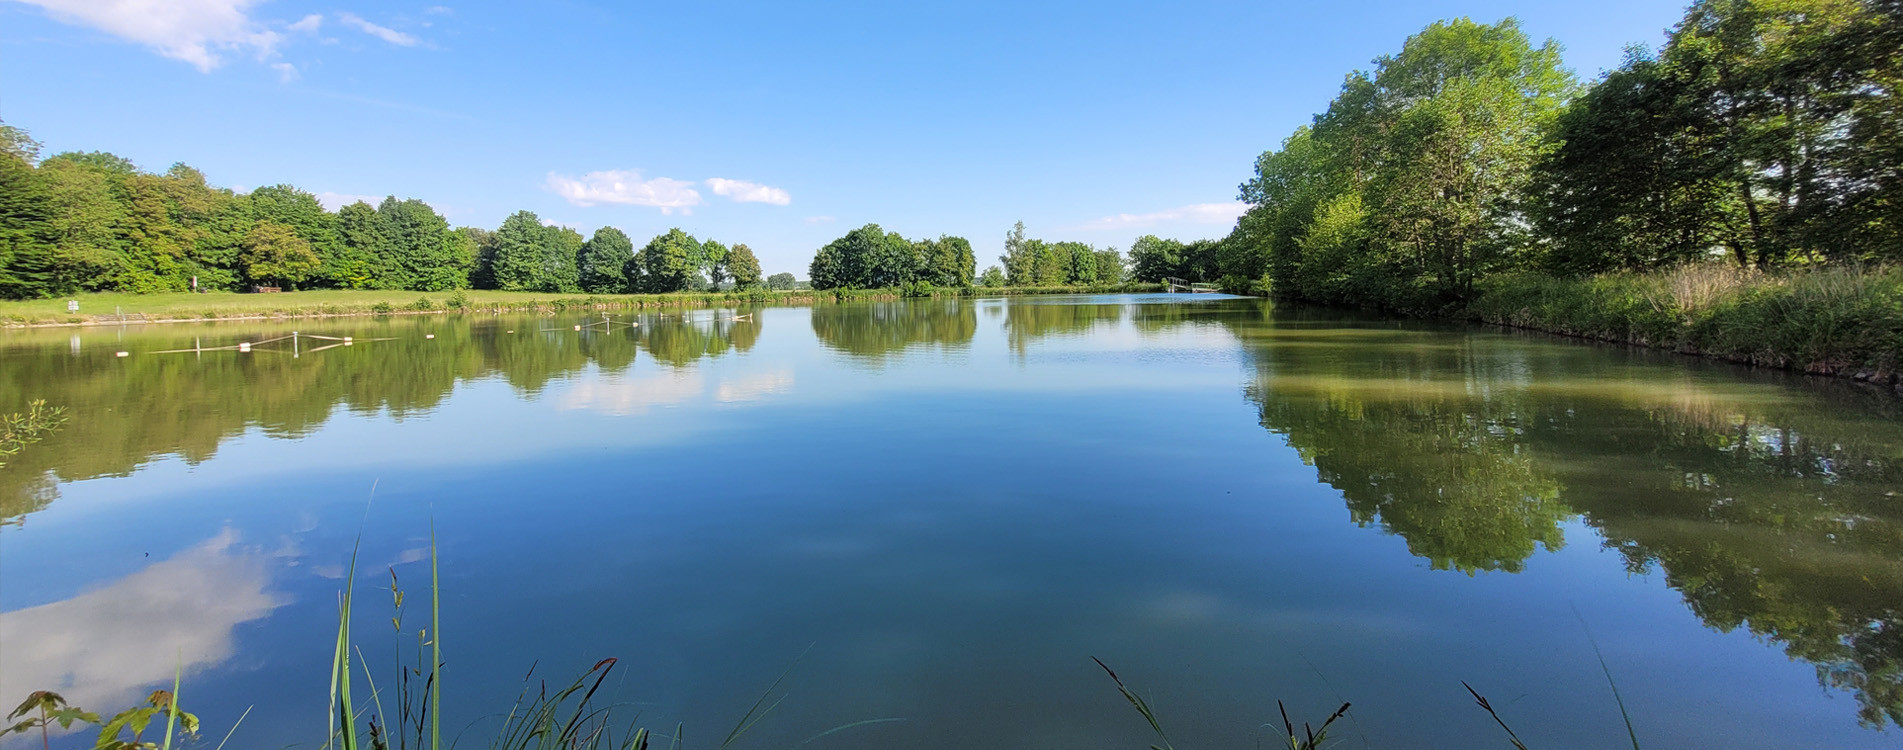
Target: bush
(458, 301)
(382, 308)
(422, 304)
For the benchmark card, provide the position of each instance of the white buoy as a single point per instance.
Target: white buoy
(244, 346)
(346, 339)
(429, 335)
(512, 331)
(577, 328)
(125, 354)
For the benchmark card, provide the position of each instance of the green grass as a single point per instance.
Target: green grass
(1829, 321)
(108, 306)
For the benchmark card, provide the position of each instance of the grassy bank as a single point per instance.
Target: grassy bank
(111, 307)
(1840, 321)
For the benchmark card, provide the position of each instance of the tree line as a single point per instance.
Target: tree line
(1765, 133)
(871, 258)
(93, 221)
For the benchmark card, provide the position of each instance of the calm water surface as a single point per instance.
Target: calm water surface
(955, 505)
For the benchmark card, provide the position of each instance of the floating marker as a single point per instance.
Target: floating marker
(577, 328)
(346, 339)
(125, 354)
(429, 335)
(512, 331)
(244, 346)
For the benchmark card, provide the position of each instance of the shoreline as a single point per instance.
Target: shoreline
(320, 310)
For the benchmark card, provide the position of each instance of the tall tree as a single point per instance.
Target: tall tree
(601, 262)
(420, 251)
(520, 246)
(667, 263)
(744, 266)
(275, 255)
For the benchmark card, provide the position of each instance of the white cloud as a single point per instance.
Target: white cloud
(818, 219)
(286, 72)
(742, 191)
(308, 24)
(1201, 213)
(334, 201)
(194, 31)
(438, 10)
(105, 647)
(381, 32)
(625, 187)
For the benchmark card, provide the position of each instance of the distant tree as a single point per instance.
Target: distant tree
(422, 252)
(1152, 258)
(601, 262)
(1020, 262)
(744, 266)
(1079, 261)
(666, 263)
(1109, 266)
(299, 210)
(780, 282)
(519, 249)
(713, 263)
(274, 255)
(992, 278)
(865, 258)
(561, 247)
(359, 262)
(483, 242)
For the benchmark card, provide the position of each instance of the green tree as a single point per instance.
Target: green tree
(288, 206)
(601, 262)
(993, 278)
(1152, 258)
(781, 282)
(1109, 266)
(744, 266)
(420, 251)
(26, 220)
(713, 263)
(274, 255)
(359, 262)
(667, 263)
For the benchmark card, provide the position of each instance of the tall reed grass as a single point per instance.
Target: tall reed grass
(1833, 320)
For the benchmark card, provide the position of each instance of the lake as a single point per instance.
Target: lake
(938, 511)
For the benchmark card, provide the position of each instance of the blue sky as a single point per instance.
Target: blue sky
(780, 125)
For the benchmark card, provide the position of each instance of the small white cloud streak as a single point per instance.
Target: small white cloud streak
(381, 32)
(625, 188)
(308, 24)
(194, 31)
(1200, 213)
(286, 72)
(741, 191)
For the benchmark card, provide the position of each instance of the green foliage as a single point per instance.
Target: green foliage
(993, 278)
(780, 282)
(744, 267)
(866, 258)
(1826, 320)
(601, 260)
(274, 255)
(668, 263)
(532, 257)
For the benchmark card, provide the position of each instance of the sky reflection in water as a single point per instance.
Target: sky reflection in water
(956, 504)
